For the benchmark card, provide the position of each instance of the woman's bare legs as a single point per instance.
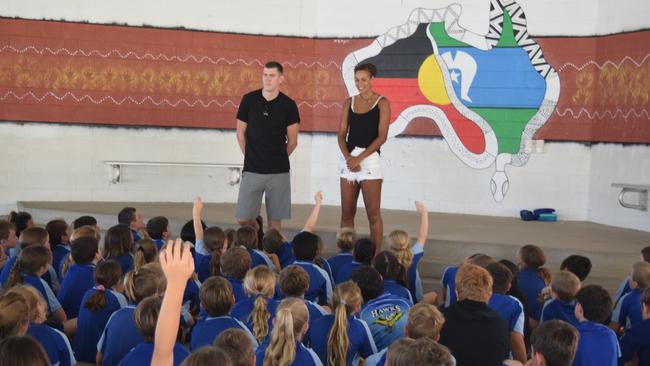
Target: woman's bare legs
(371, 190)
(349, 197)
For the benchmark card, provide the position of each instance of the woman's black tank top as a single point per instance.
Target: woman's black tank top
(363, 128)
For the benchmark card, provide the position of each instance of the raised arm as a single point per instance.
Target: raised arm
(424, 222)
(178, 265)
(196, 217)
(310, 225)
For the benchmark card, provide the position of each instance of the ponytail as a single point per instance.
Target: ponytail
(107, 275)
(400, 245)
(149, 280)
(30, 261)
(290, 320)
(69, 261)
(145, 252)
(15, 278)
(260, 316)
(346, 299)
(260, 282)
(214, 240)
(215, 266)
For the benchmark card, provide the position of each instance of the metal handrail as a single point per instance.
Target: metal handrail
(116, 168)
(642, 190)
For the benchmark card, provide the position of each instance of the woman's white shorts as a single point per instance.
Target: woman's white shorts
(370, 167)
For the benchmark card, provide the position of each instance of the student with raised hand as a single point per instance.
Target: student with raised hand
(410, 255)
(209, 245)
(178, 265)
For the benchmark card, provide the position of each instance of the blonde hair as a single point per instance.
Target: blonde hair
(566, 285)
(149, 280)
(37, 306)
(14, 314)
(397, 351)
(641, 274)
(347, 298)
(290, 320)
(345, 238)
(400, 245)
(67, 263)
(424, 320)
(260, 283)
(146, 251)
(86, 230)
(473, 283)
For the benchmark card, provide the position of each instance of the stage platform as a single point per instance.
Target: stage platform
(451, 236)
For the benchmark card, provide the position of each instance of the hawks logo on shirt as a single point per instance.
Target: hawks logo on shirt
(387, 316)
(488, 94)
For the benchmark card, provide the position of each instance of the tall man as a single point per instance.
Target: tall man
(267, 133)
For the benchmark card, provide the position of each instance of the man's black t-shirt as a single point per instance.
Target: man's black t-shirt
(266, 133)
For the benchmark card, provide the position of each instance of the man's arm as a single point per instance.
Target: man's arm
(241, 135)
(292, 137)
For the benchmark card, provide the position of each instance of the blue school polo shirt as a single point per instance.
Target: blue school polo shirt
(54, 342)
(45, 290)
(636, 342)
(597, 345)
(622, 290)
(91, 324)
(510, 310)
(202, 258)
(304, 356)
(345, 272)
(119, 337)
(159, 243)
(448, 282)
(627, 311)
(206, 331)
(243, 309)
(59, 253)
(361, 341)
(392, 287)
(285, 255)
(415, 282)
(338, 261)
(143, 353)
(320, 287)
(531, 284)
(237, 288)
(386, 316)
(77, 280)
(126, 262)
(259, 258)
(561, 310)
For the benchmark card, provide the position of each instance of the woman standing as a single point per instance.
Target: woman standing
(363, 129)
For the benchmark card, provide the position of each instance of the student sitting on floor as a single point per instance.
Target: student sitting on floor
(235, 263)
(305, 249)
(79, 277)
(258, 309)
(564, 286)
(236, 343)
(362, 254)
(159, 230)
(209, 245)
(345, 239)
(59, 232)
(598, 344)
(533, 278)
(118, 246)
(146, 316)
(636, 340)
(294, 282)
(628, 310)
(217, 301)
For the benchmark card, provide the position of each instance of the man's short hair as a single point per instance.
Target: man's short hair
(566, 285)
(294, 281)
(126, 216)
(480, 259)
(84, 221)
(557, 341)
(272, 241)
(501, 277)
(579, 265)
(473, 283)
(274, 65)
(424, 320)
(305, 246)
(236, 344)
(235, 262)
(645, 253)
(596, 303)
(532, 256)
(369, 281)
(156, 226)
(425, 351)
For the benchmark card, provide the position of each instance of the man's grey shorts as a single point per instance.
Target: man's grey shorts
(277, 188)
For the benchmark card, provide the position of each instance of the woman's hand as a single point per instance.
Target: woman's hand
(354, 163)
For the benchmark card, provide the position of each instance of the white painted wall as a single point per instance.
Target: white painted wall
(331, 18)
